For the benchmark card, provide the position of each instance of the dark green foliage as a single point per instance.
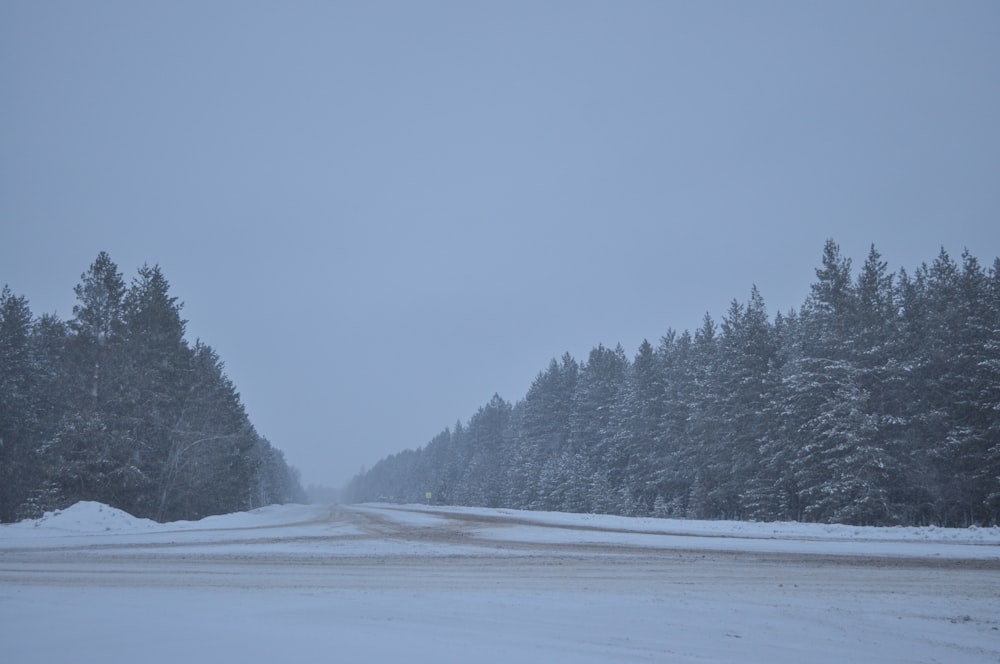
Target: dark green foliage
(487, 441)
(116, 407)
(877, 403)
(16, 393)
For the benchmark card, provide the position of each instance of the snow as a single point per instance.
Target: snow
(387, 583)
(86, 517)
(557, 527)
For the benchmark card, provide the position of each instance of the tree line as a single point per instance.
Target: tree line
(877, 402)
(116, 406)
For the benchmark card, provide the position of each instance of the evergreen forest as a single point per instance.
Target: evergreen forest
(875, 403)
(116, 406)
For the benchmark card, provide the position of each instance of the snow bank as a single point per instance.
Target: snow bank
(85, 518)
(554, 528)
(272, 516)
(91, 523)
(420, 514)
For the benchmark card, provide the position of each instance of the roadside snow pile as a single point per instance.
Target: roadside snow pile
(90, 523)
(89, 517)
(270, 516)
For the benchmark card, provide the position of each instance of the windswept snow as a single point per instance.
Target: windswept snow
(385, 583)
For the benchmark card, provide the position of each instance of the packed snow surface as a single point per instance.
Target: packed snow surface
(413, 583)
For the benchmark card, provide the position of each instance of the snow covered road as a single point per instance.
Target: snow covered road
(383, 583)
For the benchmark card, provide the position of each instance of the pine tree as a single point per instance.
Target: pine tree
(641, 431)
(749, 378)
(541, 432)
(208, 467)
(823, 388)
(956, 348)
(456, 460)
(774, 493)
(989, 397)
(848, 461)
(16, 416)
(49, 400)
(99, 326)
(673, 462)
(89, 457)
(594, 422)
(703, 467)
(157, 367)
(878, 356)
(489, 438)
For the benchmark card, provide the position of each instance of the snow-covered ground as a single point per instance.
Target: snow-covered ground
(383, 583)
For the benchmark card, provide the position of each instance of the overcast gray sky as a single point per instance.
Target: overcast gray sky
(381, 213)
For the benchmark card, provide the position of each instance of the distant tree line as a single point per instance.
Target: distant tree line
(116, 406)
(878, 402)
